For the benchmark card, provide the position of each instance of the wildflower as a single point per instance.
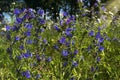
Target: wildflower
(38, 76)
(101, 48)
(62, 40)
(43, 56)
(27, 54)
(17, 38)
(65, 64)
(28, 25)
(19, 20)
(8, 28)
(72, 17)
(56, 28)
(98, 59)
(45, 41)
(42, 21)
(3, 29)
(21, 47)
(69, 29)
(19, 57)
(68, 21)
(68, 32)
(38, 57)
(68, 43)
(41, 29)
(28, 33)
(91, 33)
(74, 63)
(26, 74)
(61, 22)
(40, 12)
(98, 35)
(100, 40)
(29, 41)
(49, 59)
(75, 52)
(15, 28)
(65, 53)
(73, 42)
(56, 47)
(17, 11)
(65, 14)
(30, 10)
(32, 15)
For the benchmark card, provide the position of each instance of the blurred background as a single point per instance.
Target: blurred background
(54, 9)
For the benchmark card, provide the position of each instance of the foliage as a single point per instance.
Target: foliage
(74, 48)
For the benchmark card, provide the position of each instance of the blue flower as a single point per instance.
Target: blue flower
(21, 47)
(49, 59)
(98, 59)
(73, 42)
(19, 20)
(68, 32)
(101, 48)
(74, 63)
(65, 14)
(61, 22)
(68, 21)
(40, 12)
(62, 40)
(28, 26)
(8, 28)
(75, 52)
(38, 57)
(91, 33)
(69, 29)
(17, 38)
(17, 11)
(98, 35)
(45, 41)
(29, 41)
(56, 47)
(68, 43)
(15, 28)
(41, 29)
(27, 54)
(56, 28)
(65, 53)
(19, 57)
(30, 10)
(65, 64)
(26, 74)
(38, 76)
(100, 40)
(28, 33)
(72, 17)
(42, 21)
(32, 15)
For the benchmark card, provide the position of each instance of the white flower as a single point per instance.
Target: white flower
(4, 29)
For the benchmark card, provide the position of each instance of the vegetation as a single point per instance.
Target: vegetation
(77, 47)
